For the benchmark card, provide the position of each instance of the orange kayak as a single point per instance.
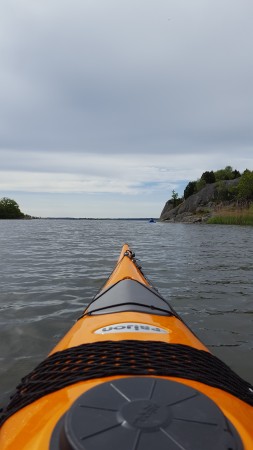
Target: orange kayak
(129, 375)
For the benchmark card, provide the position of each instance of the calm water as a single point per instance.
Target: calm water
(50, 269)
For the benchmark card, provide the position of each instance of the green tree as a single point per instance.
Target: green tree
(9, 209)
(224, 174)
(224, 192)
(174, 195)
(236, 173)
(208, 177)
(233, 192)
(245, 186)
(175, 199)
(190, 189)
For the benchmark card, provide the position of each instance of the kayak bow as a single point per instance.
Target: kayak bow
(129, 374)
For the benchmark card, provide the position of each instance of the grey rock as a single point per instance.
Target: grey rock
(196, 208)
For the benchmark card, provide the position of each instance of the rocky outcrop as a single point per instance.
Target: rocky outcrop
(198, 207)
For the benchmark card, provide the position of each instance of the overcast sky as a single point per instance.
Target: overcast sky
(108, 105)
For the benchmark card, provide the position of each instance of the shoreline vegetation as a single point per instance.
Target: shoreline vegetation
(9, 209)
(233, 216)
(221, 197)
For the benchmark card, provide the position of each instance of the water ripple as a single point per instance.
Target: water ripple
(50, 270)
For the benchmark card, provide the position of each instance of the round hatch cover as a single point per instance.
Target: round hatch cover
(144, 414)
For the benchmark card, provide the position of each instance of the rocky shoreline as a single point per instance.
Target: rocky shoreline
(199, 207)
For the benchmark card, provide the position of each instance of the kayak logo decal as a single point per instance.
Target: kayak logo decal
(130, 327)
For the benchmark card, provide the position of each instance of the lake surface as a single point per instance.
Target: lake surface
(50, 269)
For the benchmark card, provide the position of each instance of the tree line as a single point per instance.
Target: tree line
(242, 191)
(9, 209)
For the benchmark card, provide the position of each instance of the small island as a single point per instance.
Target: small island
(9, 209)
(221, 197)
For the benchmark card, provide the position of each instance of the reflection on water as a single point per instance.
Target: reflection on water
(50, 269)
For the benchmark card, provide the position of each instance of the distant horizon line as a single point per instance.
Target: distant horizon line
(96, 218)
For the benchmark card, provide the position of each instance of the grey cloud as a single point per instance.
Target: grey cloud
(113, 76)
